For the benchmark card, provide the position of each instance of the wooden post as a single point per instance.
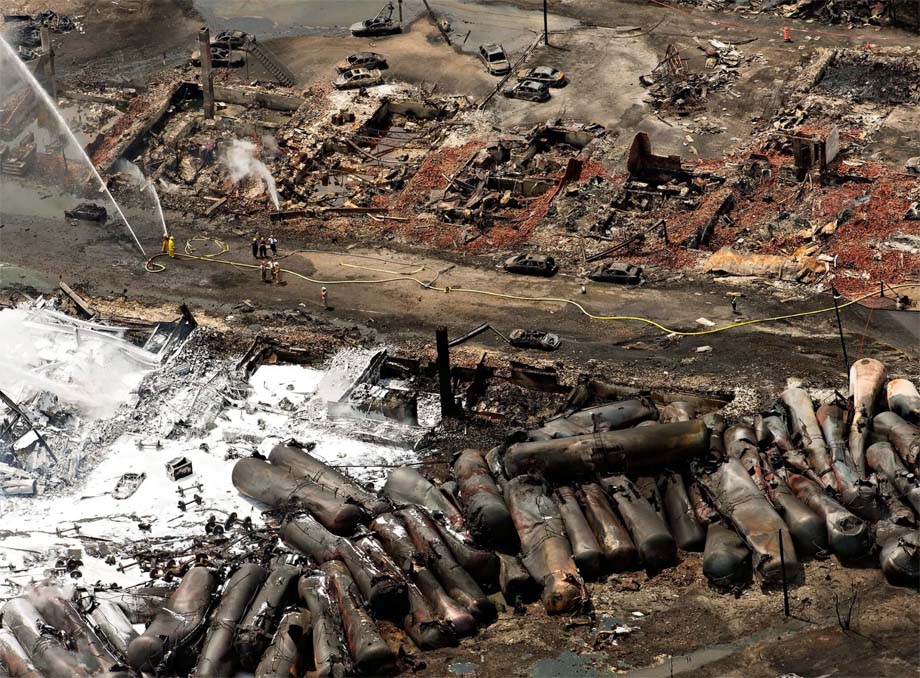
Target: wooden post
(545, 25)
(207, 77)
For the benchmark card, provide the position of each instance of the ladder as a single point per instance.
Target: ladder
(270, 62)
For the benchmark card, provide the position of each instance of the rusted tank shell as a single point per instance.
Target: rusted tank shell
(517, 586)
(422, 624)
(40, 640)
(218, 657)
(140, 605)
(649, 533)
(633, 450)
(726, 558)
(586, 551)
(688, 533)
(620, 554)
(738, 499)
(607, 417)
(396, 541)
(741, 444)
(882, 459)
(277, 487)
(15, 659)
(771, 429)
(545, 551)
(678, 411)
(330, 657)
(114, 625)
(647, 487)
(805, 425)
(702, 509)
(899, 556)
(856, 493)
(867, 378)
(904, 400)
(257, 627)
(302, 464)
(283, 655)
(436, 553)
(494, 460)
(808, 529)
(368, 649)
(895, 511)
(482, 564)
(181, 618)
(486, 514)
(847, 534)
(406, 486)
(716, 424)
(63, 614)
(379, 589)
(904, 436)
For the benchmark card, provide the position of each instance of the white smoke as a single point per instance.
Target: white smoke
(242, 163)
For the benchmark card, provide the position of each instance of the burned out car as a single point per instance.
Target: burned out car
(88, 211)
(528, 90)
(545, 341)
(552, 77)
(531, 264)
(617, 272)
(358, 77)
(382, 24)
(368, 60)
(494, 58)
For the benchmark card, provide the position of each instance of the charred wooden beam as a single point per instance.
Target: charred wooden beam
(368, 649)
(301, 464)
(179, 620)
(867, 378)
(632, 450)
(653, 541)
(275, 486)
(586, 550)
(330, 657)
(381, 591)
(218, 657)
(486, 514)
(258, 625)
(545, 551)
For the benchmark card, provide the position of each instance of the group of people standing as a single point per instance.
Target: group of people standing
(269, 267)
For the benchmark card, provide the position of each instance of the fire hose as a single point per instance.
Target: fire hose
(410, 277)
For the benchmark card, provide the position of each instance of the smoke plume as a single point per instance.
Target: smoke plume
(242, 163)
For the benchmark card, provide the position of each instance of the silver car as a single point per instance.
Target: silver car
(358, 77)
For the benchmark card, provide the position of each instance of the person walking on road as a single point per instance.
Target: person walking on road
(255, 247)
(171, 247)
(273, 245)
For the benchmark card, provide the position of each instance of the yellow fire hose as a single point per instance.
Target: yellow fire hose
(153, 267)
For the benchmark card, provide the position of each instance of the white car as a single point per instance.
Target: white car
(358, 77)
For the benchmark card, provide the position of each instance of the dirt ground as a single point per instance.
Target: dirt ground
(682, 626)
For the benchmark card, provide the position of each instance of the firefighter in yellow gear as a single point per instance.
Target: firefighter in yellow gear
(171, 248)
(165, 242)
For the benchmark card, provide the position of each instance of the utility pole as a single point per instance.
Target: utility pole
(843, 343)
(207, 77)
(545, 25)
